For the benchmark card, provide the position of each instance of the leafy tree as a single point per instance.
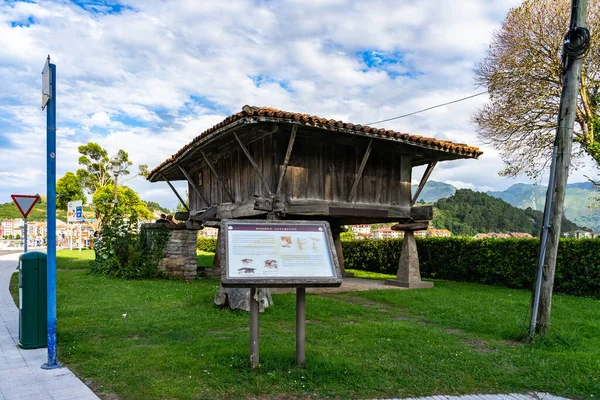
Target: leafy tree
(97, 165)
(68, 188)
(180, 207)
(129, 203)
(349, 235)
(152, 205)
(523, 73)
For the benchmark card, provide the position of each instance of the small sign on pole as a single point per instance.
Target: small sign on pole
(46, 84)
(74, 211)
(25, 204)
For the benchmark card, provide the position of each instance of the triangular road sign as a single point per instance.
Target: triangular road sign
(25, 203)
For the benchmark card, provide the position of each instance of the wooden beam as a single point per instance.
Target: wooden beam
(374, 211)
(414, 226)
(424, 179)
(176, 194)
(217, 176)
(358, 176)
(193, 184)
(254, 165)
(288, 154)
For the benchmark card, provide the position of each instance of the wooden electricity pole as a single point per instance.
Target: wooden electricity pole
(574, 49)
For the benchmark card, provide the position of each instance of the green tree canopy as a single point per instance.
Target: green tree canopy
(523, 74)
(68, 188)
(129, 203)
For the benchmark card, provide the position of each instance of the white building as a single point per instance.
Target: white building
(12, 226)
(386, 232)
(360, 230)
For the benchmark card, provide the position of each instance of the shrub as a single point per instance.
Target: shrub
(207, 244)
(123, 252)
(506, 262)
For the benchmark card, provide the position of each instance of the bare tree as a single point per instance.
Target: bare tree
(523, 73)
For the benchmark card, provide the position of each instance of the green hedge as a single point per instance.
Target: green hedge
(506, 262)
(207, 244)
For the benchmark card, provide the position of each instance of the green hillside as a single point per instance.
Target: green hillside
(468, 213)
(10, 211)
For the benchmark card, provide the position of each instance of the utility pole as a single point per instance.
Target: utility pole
(575, 46)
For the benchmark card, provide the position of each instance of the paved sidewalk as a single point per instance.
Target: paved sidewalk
(20, 374)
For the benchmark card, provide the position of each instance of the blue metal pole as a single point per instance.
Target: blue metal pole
(51, 219)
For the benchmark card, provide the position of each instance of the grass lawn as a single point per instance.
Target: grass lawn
(75, 259)
(204, 258)
(456, 338)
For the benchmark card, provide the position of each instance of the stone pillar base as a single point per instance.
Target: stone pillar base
(409, 275)
(409, 285)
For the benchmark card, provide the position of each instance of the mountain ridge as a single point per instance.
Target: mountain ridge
(579, 196)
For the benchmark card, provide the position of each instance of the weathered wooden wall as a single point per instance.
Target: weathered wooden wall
(322, 167)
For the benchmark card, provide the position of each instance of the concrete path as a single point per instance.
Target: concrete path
(20, 374)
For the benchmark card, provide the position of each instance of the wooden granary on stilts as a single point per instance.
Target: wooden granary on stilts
(262, 161)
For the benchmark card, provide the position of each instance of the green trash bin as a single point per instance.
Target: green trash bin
(33, 329)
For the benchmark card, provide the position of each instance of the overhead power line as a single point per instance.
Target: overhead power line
(427, 109)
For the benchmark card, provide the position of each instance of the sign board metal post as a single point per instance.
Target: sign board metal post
(259, 253)
(25, 235)
(49, 101)
(25, 204)
(300, 326)
(254, 336)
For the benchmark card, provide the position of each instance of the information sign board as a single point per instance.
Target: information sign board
(74, 211)
(259, 253)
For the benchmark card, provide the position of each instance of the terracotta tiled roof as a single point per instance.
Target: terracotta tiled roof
(327, 124)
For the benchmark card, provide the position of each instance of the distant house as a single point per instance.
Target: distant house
(495, 235)
(521, 235)
(432, 232)
(360, 230)
(208, 233)
(386, 232)
(491, 235)
(12, 227)
(579, 234)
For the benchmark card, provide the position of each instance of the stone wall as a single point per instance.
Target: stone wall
(179, 259)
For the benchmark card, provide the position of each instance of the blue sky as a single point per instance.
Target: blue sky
(148, 76)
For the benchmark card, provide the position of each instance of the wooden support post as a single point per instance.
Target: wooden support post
(253, 328)
(286, 161)
(254, 165)
(409, 275)
(217, 176)
(335, 232)
(300, 326)
(424, 179)
(216, 269)
(193, 185)
(176, 194)
(358, 176)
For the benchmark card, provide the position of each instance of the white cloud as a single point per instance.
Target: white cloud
(152, 77)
